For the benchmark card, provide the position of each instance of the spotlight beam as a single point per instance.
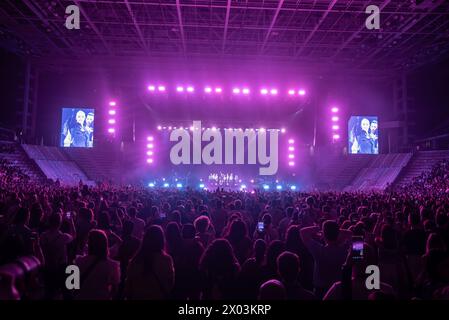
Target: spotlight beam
(317, 26)
(139, 32)
(273, 21)
(181, 26)
(225, 32)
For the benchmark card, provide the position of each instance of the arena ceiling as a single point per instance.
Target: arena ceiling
(308, 32)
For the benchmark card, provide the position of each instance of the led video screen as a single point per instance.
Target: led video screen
(77, 127)
(363, 135)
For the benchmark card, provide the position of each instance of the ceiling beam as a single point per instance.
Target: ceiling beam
(136, 26)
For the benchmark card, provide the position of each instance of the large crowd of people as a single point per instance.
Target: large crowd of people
(140, 243)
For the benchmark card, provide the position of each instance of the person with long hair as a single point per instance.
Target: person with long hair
(239, 240)
(220, 269)
(151, 273)
(99, 275)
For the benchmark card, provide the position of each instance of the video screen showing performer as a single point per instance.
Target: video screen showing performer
(363, 135)
(77, 128)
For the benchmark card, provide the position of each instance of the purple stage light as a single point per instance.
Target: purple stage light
(336, 136)
(236, 90)
(150, 153)
(159, 128)
(335, 118)
(150, 138)
(274, 91)
(335, 127)
(245, 91)
(150, 146)
(302, 92)
(161, 88)
(111, 121)
(149, 160)
(169, 128)
(334, 109)
(291, 163)
(291, 156)
(264, 91)
(190, 89)
(111, 130)
(291, 92)
(112, 103)
(291, 141)
(151, 88)
(208, 89)
(218, 90)
(291, 148)
(180, 89)
(262, 129)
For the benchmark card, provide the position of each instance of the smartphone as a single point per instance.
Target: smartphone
(68, 215)
(357, 248)
(260, 227)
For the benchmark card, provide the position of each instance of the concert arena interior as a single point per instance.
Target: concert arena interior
(245, 150)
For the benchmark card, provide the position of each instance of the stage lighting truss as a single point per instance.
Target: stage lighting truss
(208, 90)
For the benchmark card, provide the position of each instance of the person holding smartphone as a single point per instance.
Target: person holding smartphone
(352, 286)
(329, 250)
(265, 230)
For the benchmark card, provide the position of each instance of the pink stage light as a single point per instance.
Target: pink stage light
(149, 160)
(150, 138)
(169, 128)
(180, 89)
(150, 146)
(218, 90)
(335, 118)
(274, 91)
(236, 90)
(291, 148)
(149, 153)
(159, 128)
(335, 127)
(161, 88)
(336, 136)
(190, 89)
(291, 163)
(302, 92)
(208, 89)
(291, 141)
(245, 91)
(112, 103)
(334, 109)
(262, 129)
(151, 88)
(112, 112)
(111, 130)
(283, 130)
(264, 91)
(291, 156)
(291, 92)
(111, 121)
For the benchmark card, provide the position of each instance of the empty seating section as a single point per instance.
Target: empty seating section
(99, 164)
(55, 164)
(381, 172)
